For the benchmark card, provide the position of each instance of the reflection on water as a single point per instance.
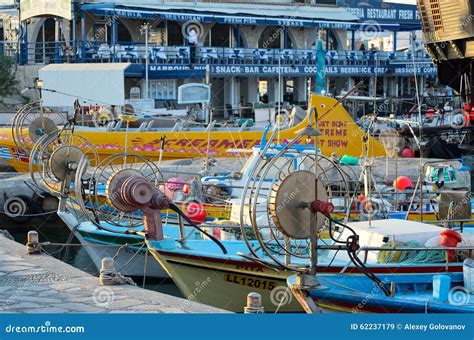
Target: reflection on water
(53, 230)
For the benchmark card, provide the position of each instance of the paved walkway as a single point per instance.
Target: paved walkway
(42, 284)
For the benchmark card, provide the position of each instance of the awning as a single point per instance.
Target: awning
(6, 9)
(92, 84)
(282, 10)
(244, 19)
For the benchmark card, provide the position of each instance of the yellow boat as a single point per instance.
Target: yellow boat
(340, 134)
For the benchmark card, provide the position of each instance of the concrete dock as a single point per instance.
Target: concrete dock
(43, 284)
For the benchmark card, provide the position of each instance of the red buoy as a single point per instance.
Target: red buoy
(408, 153)
(402, 183)
(196, 213)
(450, 238)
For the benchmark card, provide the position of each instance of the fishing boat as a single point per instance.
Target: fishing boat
(230, 277)
(411, 293)
(342, 136)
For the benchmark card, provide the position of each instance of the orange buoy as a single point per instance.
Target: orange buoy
(402, 183)
(450, 238)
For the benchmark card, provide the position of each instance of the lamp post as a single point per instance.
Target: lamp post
(145, 29)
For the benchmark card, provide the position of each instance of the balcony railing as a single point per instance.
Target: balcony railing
(63, 52)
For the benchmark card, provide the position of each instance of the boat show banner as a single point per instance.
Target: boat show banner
(237, 326)
(34, 8)
(159, 71)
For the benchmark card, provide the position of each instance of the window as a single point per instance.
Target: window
(162, 89)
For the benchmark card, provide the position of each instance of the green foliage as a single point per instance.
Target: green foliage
(7, 76)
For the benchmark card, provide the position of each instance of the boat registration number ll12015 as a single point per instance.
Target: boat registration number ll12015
(250, 281)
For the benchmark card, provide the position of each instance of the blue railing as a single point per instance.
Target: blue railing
(52, 52)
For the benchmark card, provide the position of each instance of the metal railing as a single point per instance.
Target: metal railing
(63, 52)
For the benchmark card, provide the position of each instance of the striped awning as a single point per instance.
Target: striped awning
(243, 19)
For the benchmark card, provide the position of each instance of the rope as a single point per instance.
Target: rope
(30, 215)
(108, 278)
(410, 257)
(68, 241)
(33, 248)
(145, 265)
(130, 259)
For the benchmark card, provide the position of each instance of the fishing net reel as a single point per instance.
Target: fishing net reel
(98, 192)
(277, 203)
(126, 191)
(55, 157)
(32, 122)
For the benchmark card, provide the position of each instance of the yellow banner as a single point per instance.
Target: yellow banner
(35, 8)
